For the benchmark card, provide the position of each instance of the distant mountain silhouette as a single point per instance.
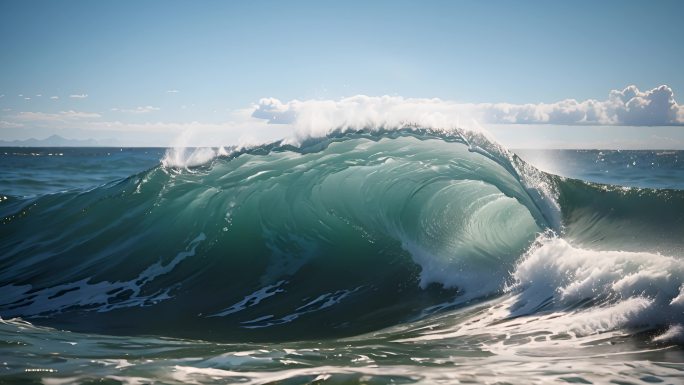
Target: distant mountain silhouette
(56, 141)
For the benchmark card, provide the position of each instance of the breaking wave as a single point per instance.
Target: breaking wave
(349, 232)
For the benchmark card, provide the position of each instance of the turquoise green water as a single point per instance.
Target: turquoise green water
(407, 257)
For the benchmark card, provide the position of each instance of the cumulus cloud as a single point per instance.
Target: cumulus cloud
(54, 97)
(276, 112)
(655, 107)
(78, 96)
(630, 107)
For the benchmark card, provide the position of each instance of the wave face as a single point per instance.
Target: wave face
(347, 234)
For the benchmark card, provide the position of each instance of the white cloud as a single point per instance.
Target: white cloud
(296, 120)
(54, 97)
(137, 110)
(172, 91)
(6, 124)
(62, 116)
(71, 114)
(276, 112)
(630, 107)
(159, 127)
(656, 107)
(78, 96)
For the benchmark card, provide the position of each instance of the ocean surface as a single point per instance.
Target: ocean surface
(369, 257)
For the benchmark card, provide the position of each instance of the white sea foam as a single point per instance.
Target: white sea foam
(624, 289)
(675, 333)
(574, 274)
(566, 297)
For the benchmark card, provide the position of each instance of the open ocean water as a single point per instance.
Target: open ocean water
(368, 257)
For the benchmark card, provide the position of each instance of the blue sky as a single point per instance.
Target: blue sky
(105, 69)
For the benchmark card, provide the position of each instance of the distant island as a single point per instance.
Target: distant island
(57, 141)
